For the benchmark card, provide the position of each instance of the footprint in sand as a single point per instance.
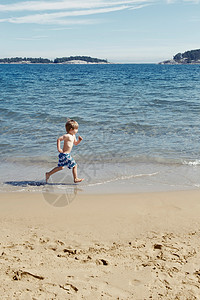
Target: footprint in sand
(70, 288)
(135, 282)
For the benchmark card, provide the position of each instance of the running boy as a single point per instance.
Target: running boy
(65, 159)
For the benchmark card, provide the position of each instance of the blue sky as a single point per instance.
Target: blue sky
(121, 31)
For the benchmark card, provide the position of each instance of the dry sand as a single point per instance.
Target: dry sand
(125, 246)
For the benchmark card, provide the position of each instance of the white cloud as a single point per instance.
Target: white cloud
(139, 6)
(189, 1)
(58, 17)
(34, 38)
(49, 21)
(65, 4)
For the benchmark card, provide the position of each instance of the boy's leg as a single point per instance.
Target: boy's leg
(54, 170)
(76, 179)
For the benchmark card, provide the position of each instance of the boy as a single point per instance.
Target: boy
(65, 158)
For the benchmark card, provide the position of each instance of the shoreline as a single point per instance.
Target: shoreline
(102, 178)
(130, 246)
(147, 178)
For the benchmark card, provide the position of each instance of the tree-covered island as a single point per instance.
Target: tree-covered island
(62, 60)
(188, 57)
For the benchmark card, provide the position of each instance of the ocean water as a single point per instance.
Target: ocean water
(140, 125)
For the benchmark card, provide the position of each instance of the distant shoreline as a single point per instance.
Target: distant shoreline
(64, 63)
(173, 62)
(62, 60)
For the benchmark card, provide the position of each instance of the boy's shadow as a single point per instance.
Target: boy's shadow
(51, 192)
(25, 183)
(35, 183)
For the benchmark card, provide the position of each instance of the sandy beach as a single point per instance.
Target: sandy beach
(105, 246)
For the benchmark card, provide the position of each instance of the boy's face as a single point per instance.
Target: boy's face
(73, 131)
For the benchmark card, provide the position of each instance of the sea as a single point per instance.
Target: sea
(140, 125)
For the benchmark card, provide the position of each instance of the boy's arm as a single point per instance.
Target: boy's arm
(79, 140)
(61, 138)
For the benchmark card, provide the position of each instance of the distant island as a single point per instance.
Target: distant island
(62, 60)
(188, 57)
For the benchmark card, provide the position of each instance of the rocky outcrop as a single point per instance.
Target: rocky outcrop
(188, 57)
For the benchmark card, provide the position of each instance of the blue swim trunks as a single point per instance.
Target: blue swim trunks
(65, 159)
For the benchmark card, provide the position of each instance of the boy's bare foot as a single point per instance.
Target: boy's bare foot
(47, 176)
(78, 180)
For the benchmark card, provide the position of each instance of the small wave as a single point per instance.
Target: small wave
(192, 163)
(122, 178)
(197, 185)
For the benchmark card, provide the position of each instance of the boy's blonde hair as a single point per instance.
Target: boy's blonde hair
(71, 124)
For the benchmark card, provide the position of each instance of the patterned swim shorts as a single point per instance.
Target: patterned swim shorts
(65, 159)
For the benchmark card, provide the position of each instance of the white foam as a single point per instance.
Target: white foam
(192, 163)
(121, 178)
